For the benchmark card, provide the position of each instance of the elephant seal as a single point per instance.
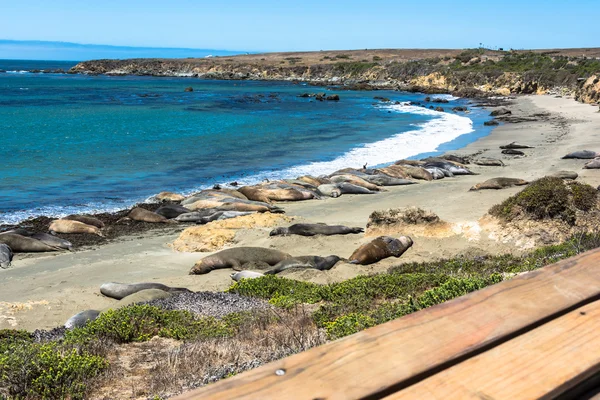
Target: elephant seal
(417, 172)
(330, 190)
(489, 162)
(142, 296)
(6, 256)
(395, 171)
(24, 244)
(267, 195)
(380, 248)
(499, 183)
(249, 207)
(314, 229)
(593, 164)
(355, 180)
(142, 215)
(237, 257)
(53, 241)
(386, 180)
(316, 262)
(436, 172)
(119, 290)
(239, 275)
(169, 196)
(221, 215)
(80, 319)
(450, 166)
(69, 226)
(313, 180)
(172, 210)
(513, 152)
(515, 145)
(565, 175)
(455, 158)
(582, 154)
(349, 188)
(195, 216)
(86, 220)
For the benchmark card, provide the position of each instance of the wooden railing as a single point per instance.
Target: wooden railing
(534, 336)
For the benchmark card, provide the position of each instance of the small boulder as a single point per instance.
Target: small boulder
(491, 123)
(333, 97)
(439, 109)
(500, 111)
(189, 89)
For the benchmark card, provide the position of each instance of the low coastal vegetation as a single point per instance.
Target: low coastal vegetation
(182, 350)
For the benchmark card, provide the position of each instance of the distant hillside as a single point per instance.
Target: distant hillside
(64, 51)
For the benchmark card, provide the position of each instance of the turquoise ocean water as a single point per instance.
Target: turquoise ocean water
(73, 143)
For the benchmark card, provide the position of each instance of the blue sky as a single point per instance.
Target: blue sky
(279, 25)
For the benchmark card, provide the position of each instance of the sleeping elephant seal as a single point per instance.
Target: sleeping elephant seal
(23, 244)
(515, 145)
(172, 210)
(80, 319)
(349, 188)
(489, 162)
(380, 248)
(499, 183)
(565, 175)
(593, 164)
(142, 215)
(119, 290)
(221, 215)
(86, 220)
(53, 241)
(386, 180)
(329, 189)
(68, 226)
(237, 257)
(513, 152)
(168, 196)
(316, 262)
(239, 275)
(6, 256)
(195, 216)
(583, 154)
(142, 296)
(314, 229)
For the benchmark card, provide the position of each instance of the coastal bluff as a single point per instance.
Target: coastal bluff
(467, 73)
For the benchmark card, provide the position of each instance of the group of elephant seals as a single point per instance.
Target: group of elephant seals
(70, 226)
(86, 219)
(314, 229)
(315, 262)
(50, 240)
(515, 145)
(24, 244)
(582, 154)
(499, 183)
(80, 319)
(380, 248)
(237, 257)
(6, 256)
(118, 291)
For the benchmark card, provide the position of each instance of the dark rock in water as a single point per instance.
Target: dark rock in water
(216, 187)
(440, 109)
(397, 103)
(189, 89)
(306, 95)
(438, 100)
(431, 107)
(459, 109)
(491, 123)
(320, 96)
(212, 304)
(384, 99)
(500, 111)
(234, 183)
(333, 97)
(427, 98)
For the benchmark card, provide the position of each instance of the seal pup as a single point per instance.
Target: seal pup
(6, 256)
(237, 257)
(314, 229)
(593, 164)
(80, 319)
(513, 152)
(582, 154)
(499, 183)
(24, 244)
(171, 211)
(515, 145)
(142, 215)
(380, 248)
(315, 262)
(69, 226)
(86, 220)
(118, 290)
(239, 275)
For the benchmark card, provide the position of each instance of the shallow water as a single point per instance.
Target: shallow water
(74, 143)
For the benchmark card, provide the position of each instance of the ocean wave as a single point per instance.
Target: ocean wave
(17, 72)
(426, 137)
(448, 97)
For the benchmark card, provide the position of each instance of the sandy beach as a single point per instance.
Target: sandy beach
(44, 291)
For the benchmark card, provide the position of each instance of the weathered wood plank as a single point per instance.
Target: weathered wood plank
(540, 364)
(388, 357)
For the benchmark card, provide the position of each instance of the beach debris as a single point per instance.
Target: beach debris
(407, 220)
(515, 145)
(379, 249)
(499, 183)
(582, 155)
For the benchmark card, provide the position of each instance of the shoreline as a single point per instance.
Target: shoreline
(43, 291)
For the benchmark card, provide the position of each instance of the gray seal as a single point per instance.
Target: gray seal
(315, 262)
(386, 180)
(349, 188)
(489, 162)
(582, 154)
(6, 256)
(593, 164)
(172, 210)
(329, 189)
(515, 145)
(86, 219)
(499, 183)
(23, 244)
(120, 290)
(237, 257)
(80, 319)
(239, 275)
(513, 152)
(53, 241)
(315, 229)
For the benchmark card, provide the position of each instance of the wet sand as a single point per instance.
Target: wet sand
(42, 291)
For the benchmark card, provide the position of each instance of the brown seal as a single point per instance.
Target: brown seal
(68, 226)
(499, 183)
(139, 214)
(86, 219)
(380, 248)
(237, 257)
(23, 244)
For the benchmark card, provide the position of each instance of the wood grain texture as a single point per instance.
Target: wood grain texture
(540, 364)
(385, 358)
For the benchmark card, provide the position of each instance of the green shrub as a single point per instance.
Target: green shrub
(452, 289)
(347, 325)
(271, 286)
(353, 68)
(585, 197)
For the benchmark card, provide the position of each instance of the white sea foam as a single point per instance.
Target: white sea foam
(17, 72)
(448, 97)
